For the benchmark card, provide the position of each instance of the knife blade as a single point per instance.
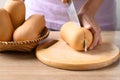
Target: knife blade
(85, 45)
(72, 13)
(74, 17)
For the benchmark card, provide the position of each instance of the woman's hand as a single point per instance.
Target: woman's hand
(86, 16)
(89, 22)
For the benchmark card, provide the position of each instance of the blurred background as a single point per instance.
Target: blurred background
(118, 11)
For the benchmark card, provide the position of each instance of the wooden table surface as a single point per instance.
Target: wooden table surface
(25, 66)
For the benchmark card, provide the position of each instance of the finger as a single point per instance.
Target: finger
(95, 39)
(100, 40)
(90, 24)
(86, 24)
(93, 27)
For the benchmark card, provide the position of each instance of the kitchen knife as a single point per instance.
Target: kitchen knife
(72, 13)
(85, 45)
(74, 17)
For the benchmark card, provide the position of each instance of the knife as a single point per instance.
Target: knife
(74, 17)
(85, 45)
(72, 13)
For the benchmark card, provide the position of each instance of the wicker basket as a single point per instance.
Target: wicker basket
(24, 46)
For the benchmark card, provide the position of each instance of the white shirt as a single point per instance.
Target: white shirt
(56, 14)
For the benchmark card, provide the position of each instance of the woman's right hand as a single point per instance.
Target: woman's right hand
(65, 1)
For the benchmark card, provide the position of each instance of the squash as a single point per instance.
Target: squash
(31, 28)
(6, 27)
(75, 36)
(16, 10)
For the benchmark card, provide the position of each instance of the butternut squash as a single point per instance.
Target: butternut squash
(75, 36)
(31, 28)
(16, 10)
(6, 27)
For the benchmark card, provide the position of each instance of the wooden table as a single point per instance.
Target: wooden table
(25, 66)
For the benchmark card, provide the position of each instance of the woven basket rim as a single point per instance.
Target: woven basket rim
(44, 35)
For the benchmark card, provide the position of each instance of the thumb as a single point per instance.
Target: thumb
(86, 25)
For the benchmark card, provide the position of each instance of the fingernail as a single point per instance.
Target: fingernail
(87, 26)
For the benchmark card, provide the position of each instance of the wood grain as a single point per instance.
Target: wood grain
(61, 55)
(25, 66)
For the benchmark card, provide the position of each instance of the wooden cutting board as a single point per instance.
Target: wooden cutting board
(60, 55)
